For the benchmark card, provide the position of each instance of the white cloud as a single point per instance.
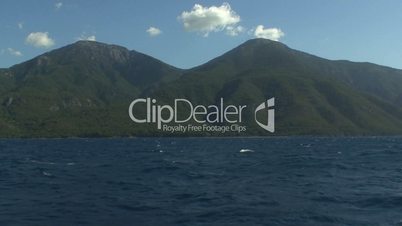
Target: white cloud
(209, 19)
(234, 31)
(268, 33)
(91, 38)
(14, 52)
(87, 38)
(39, 40)
(20, 25)
(58, 5)
(153, 31)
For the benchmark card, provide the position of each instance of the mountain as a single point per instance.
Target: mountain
(77, 90)
(314, 95)
(84, 89)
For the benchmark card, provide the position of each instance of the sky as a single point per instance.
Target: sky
(189, 33)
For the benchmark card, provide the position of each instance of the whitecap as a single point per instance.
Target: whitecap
(46, 174)
(306, 145)
(246, 150)
(40, 162)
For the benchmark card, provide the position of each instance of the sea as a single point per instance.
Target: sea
(201, 181)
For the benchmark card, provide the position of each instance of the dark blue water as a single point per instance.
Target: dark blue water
(200, 181)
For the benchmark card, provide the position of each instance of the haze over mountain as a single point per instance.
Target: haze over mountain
(84, 89)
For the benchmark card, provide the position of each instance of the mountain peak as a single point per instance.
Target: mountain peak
(84, 42)
(262, 41)
(94, 51)
(96, 45)
(255, 53)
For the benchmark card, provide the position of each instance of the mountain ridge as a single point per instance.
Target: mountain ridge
(84, 89)
(250, 40)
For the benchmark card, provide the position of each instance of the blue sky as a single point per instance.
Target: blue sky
(358, 30)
